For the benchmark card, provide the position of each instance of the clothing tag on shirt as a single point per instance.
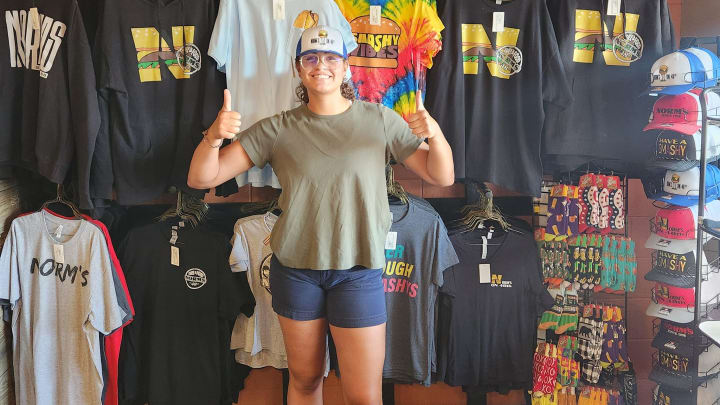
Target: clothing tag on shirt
(59, 253)
(174, 256)
(490, 233)
(613, 7)
(174, 237)
(375, 12)
(484, 271)
(181, 224)
(498, 2)
(58, 231)
(35, 18)
(484, 245)
(278, 10)
(391, 241)
(498, 21)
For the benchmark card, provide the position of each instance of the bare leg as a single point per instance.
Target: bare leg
(305, 346)
(361, 353)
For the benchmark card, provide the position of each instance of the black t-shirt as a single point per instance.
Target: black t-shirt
(49, 115)
(492, 114)
(153, 112)
(607, 116)
(486, 332)
(176, 350)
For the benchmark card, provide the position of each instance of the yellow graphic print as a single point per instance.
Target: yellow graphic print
(306, 19)
(152, 50)
(590, 31)
(476, 44)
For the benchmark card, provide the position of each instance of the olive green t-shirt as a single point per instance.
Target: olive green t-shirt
(332, 171)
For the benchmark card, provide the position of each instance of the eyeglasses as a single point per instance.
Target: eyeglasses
(311, 60)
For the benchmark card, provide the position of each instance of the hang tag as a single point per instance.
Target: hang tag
(498, 2)
(278, 10)
(58, 231)
(484, 273)
(391, 241)
(484, 248)
(375, 12)
(498, 21)
(174, 256)
(490, 233)
(59, 253)
(613, 7)
(174, 237)
(35, 18)
(181, 224)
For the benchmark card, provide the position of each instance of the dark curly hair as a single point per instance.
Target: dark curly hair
(346, 89)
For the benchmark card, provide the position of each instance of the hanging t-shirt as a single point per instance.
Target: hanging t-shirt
(174, 351)
(412, 276)
(255, 47)
(158, 92)
(57, 275)
(346, 208)
(606, 119)
(488, 309)
(49, 115)
(490, 91)
(395, 39)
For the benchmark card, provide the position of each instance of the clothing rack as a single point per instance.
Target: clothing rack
(702, 315)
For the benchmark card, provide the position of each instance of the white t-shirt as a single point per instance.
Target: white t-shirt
(257, 54)
(60, 301)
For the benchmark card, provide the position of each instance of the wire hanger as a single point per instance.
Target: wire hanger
(188, 208)
(396, 193)
(60, 199)
(480, 209)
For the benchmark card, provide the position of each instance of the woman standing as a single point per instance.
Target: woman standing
(329, 155)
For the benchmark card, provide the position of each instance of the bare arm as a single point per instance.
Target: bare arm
(211, 166)
(432, 161)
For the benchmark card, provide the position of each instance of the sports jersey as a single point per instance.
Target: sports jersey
(255, 47)
(49, 117)
(57, 275)
(490, 91)
(606, 119)
(488, 310)
(158, 91)
(412, 276)
(392, 50)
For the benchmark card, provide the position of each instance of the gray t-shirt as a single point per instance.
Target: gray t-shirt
(59, 306)
(412, 277)
(332, 171)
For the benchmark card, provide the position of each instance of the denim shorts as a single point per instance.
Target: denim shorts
(353, 298)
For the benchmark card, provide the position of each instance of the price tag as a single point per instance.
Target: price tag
(391, 241)
(375, 12)
(35, 18)
(59, 253)
(498, 21)
(613, 7)
(174, 256)
(484, 273)
(58, 231)
(278, 10)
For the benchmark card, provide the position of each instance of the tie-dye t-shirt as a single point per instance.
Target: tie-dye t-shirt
(388, 55)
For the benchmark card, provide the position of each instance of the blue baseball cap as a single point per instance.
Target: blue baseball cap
(681, 71)
(321, 39)
(681, 188)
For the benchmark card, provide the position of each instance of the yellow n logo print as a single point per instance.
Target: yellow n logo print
(476, 45)
(496, 279)
(591, 30)
(153, 50)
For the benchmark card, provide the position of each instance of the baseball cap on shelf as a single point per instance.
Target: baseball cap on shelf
(682, 70)
(673, 331)
(676, 367)
(677, 304)
(667, 395)
(321, 39)
(681, 187)
(683, 112)
(673, 228)
(674, 268)
(677, 151)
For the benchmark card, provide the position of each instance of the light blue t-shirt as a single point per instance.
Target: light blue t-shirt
(257, 54)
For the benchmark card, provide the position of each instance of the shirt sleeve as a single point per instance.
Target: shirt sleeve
(445, 255)
(105, 314)
(259, 140)
(239, 256)
(224, 31)
(555, 87)
(336, 19)
(429, 26)
(10, 268)
(231, 295)
(667, 29)
(400, 140)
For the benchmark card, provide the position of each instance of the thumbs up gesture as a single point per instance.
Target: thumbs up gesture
(421, 123)
(227, 123)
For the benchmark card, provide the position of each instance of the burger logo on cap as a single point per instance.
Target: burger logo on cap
(663, 70)
(378, 45)
(675, 178)
(322, 34)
